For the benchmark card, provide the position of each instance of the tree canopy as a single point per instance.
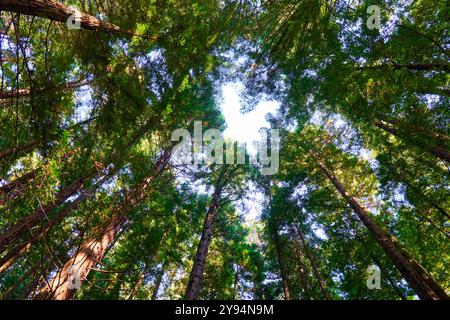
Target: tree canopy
(94, 205)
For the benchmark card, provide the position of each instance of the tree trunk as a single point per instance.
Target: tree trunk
(14, 188)
(93, 250)
(21, 228)
(417, 278)
(281, 262)
(24, 246)
(60, 287)
(302, 271)
(439, 152)
(196, 277)
(22, 93)
(312, 260)
(56, 11)
(158, 283)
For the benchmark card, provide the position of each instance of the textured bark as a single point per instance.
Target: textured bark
(89, 253)
(94, 249)
(282, 264)
(7, 260)
(20, 229)
(313, 262)
(424, 286)
(56, 11)
(23, 93)
(437, 151)
(194, 286)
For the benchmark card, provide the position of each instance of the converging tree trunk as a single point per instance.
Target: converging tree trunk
(437, 151)
(20, 229)
(76, 270)
(57, 11)
(282, 264)
(414, 274)
(194, 286)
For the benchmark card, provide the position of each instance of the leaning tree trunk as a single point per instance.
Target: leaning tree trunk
(56, 11)
(15, 188)
(12, 255)
(23, 93)
(414, 274)
(20, 229)
(93, 250)
(437, 151)
(61, 287)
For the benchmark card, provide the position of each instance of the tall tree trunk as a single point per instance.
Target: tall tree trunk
(282, 264)
(94, 249)
(22, 228)
(414, 274)
(7, 260)
(194, 286)
(14, 188)
(7, 188)
(313, 262)
(56, 11)
(437, 151)
(302, 271)
(158, 282)
(60, 287)
(138, 283)
(22, 93)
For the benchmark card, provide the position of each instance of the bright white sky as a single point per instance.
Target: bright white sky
(241, 127)
(244, 128)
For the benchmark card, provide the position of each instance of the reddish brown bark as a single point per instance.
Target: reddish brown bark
(194, 285)
(196, 277)
(22, 228)
(418, 279)
(94, 249)
(57, 11)
(22, 93)
(89, 253)
(7, 260)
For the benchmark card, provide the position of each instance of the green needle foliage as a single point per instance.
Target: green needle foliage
(87, 179)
